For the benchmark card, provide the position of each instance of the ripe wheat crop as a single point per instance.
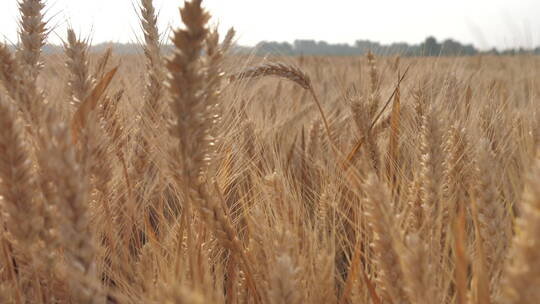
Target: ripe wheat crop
(201, 176)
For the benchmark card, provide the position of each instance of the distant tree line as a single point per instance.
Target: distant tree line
(430, 47)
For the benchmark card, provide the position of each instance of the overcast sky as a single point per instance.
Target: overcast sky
(485, 23)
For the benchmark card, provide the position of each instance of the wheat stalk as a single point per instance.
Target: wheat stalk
(194, 97)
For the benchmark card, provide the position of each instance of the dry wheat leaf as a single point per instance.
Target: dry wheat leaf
(90, 103)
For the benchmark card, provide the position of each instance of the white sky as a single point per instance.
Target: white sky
(485, 23)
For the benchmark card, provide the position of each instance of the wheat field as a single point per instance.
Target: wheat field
(202, 176)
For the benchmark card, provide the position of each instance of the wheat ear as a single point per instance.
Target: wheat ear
(80, 82)
(521, 276)
(20, 88)
(386, 256)
(17, 181)
(70, 173)
(288, 72)
(32, 36)
(491, 215)
(153, 106)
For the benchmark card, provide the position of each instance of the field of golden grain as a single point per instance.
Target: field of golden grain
(205, 177)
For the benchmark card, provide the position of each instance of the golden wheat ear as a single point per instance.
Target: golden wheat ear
(71, 199)
(275, 69)
(522, 270)
(80, 82)
(291, 73)
(32, 35)
(155, 87)
(356, 148)
(17, 181)
(20, 88)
